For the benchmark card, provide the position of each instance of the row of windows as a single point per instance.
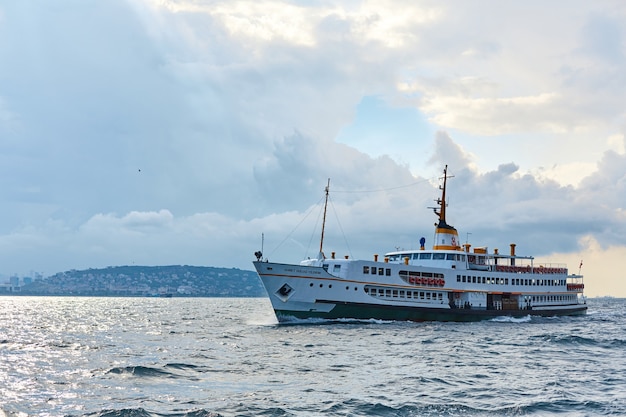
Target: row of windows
(377, 271)
(331, 285)
(552, 298)
(482, 280)
(505, 281)
(421, 274)
(416, 295)
(426, 255)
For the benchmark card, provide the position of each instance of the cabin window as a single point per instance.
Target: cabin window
(381, 271)
(336, 268)
(427, 274)
(416, 256)
(439, 256)
(428, 296)
(451, 257)
(366, 269)
(373, 271)
(506, 281)
(388, 293)
(422, 295)
(458, 278)
(395, 293)
(388, 272)
(474, 280)
(425, 255)
(483, 280)
(381, 292)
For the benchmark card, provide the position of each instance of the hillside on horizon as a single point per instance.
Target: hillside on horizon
(171, 280)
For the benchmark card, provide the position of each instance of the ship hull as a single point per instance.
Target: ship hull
(345, 310)
(301, 292)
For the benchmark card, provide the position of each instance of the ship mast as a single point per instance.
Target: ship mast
(446, 236)
(442, 201)
(324, 221)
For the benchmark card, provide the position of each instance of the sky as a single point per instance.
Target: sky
(196, 132)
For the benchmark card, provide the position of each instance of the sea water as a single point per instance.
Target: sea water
(70, 356)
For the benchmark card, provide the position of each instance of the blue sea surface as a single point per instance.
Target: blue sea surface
(66, 356)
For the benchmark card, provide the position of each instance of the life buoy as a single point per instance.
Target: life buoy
(411, 279)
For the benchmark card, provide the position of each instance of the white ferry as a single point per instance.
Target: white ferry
(451, 282)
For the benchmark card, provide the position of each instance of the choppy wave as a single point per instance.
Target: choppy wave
(354, 407)
(140, 412)
(509, 319)
(140, 371)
